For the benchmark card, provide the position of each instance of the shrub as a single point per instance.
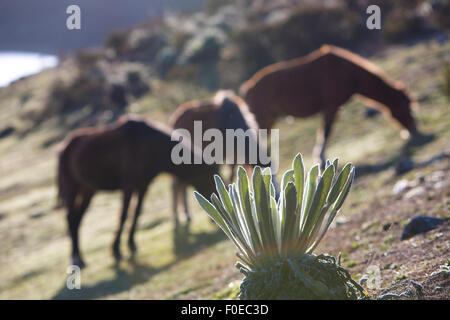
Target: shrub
(117, 41)
(440, 13)
(304, 31)
(141, 44)
(165, 60)
(205, 46)
(212, 6)
(145, 44)
(400, 25)
(276, 239)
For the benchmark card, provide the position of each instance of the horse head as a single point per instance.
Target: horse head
(402, 110)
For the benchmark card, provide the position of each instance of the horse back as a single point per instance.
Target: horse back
(300, 87)
(115, 157)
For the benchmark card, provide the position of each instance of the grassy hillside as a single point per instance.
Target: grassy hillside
(195, 261)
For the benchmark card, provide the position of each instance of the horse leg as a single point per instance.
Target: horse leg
(137, 212)
(74, 220)
(116, 244)
(185, 202)
(232, 168)
(175, 197)
(322, 138)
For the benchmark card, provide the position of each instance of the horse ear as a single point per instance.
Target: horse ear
(399, 85)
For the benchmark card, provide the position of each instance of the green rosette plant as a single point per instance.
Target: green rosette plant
(276, 239)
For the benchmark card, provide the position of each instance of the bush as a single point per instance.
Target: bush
(399, 26)
(94, 86)
(135, 85)
(305, 30)
(440, 13)
(117, 42)
(145, 45)
(179, 40)
(141, 44)
(165, 60)
(212, 6)
(203, 47)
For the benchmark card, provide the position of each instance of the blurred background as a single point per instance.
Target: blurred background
(147, 57)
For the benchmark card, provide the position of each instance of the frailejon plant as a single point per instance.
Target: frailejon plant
(276, 239)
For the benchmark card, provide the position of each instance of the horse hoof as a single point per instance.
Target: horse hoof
(117, 255)
(132, 247)
(77, 261)
(117, 258)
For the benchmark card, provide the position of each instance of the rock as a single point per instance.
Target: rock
(418, 287)
(289, 119)
(420, 177)
(6, 132)
(441, 38)
(423, 98)
(401, 186)
(403, 166)
(371, 112)
(363, 280)
(417, 191)
(37, 215)
(341, 220)
(437, 176)
(440, 185)
(117, 95)
(135, 85)
(420, 224)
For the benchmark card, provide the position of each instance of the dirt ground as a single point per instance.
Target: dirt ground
(371, 241)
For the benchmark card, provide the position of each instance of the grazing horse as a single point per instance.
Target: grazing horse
(321, 82)
(126, 156)
(224, 111)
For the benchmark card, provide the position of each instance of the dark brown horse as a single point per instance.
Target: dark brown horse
(124, 156)
(224, 111)
(321, 82)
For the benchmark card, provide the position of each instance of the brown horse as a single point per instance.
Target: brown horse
(126, 156)
(224, 111)
(321, 82)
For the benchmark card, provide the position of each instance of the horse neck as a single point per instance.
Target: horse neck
(373, 86)
(187, 171)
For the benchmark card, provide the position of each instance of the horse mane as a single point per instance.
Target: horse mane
(218, 101)
(370, 67)
(140, 119)
(123, 120)
(247, 85)
(363, 63)
(223, 97)
(198, 105)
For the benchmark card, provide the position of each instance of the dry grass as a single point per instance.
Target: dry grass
(196, 262)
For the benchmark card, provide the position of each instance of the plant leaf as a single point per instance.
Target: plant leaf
(262, 209)
(309, 194)
(244, 193)
(290, 217)
(299, 177)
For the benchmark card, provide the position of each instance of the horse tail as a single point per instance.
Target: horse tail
(65, 180)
